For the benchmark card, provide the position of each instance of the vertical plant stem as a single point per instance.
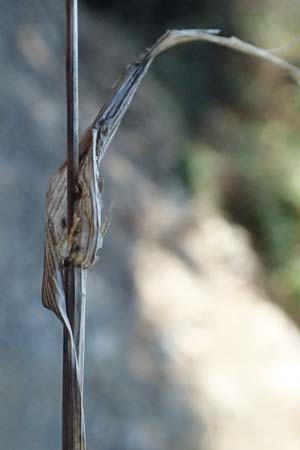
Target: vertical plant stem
(75, 301)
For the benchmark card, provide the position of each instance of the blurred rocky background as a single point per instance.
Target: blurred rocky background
(192, 335)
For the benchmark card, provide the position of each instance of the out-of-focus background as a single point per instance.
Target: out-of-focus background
(193, 310)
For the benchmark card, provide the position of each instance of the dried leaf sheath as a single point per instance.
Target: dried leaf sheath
(86, 239)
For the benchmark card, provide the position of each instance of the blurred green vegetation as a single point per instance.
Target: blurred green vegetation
(246, 155)
(242, 120)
